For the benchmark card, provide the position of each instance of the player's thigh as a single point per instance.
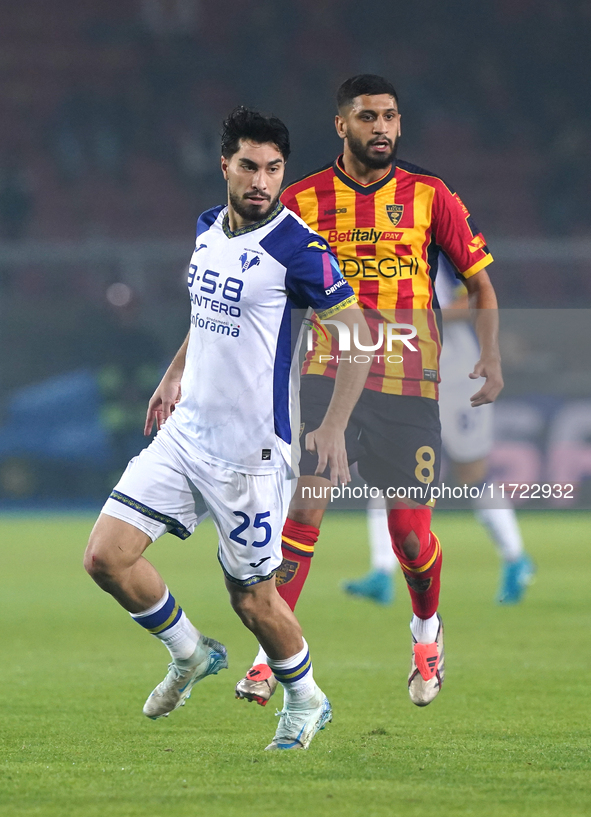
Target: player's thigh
(401, 440)
(114, 545)
(309, 500)
(315, 396)
(471, 473)
(155, 493)
(258, 598)
(249, 512)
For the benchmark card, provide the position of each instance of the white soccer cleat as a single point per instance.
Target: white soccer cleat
(208, 659)
(297, 726)
(427, 669)
(258, 685)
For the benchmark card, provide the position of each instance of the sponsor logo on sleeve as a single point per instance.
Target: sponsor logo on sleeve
(477, 243)
(341, 282)
(462, 205)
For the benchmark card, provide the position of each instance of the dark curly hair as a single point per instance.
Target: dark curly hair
(244, 123)
(363, 85)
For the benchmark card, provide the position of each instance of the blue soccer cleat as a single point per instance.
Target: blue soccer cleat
(376, 586)
(208, 659)
(299, 723)
(515, 579)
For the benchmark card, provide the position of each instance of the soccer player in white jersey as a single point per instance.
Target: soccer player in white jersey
(224, 443)
(467, 437)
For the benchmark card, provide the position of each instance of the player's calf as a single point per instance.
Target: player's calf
(409, 529)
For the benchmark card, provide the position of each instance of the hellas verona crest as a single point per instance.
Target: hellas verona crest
(247, 262)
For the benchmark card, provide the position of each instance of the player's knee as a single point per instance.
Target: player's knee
(99, 565)
(244, 607)
(102, 559)
(409, 527)
(113, 548)
(411, 547)
(248, 606)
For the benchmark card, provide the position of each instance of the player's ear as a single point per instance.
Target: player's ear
(224, 163)
(339, 123)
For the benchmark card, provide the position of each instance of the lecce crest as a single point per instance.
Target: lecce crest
(395, 212)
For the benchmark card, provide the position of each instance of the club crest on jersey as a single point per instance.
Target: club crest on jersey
(285, 572)
(395, 212)
(247, 262)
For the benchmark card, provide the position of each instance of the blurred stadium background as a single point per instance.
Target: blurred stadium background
(109, 126)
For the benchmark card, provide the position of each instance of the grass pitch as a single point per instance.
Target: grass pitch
(509, 734)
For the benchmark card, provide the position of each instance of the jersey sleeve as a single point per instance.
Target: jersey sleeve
(206, 219)
(313, 278)
(457, 234)
(289, 200)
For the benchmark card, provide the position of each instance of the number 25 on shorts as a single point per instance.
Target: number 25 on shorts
(425, 470)
(258, 523)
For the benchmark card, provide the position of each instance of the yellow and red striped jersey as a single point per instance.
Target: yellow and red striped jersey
(387, 237)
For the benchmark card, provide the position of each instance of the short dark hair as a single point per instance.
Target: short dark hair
(244, 123)
(363, 84)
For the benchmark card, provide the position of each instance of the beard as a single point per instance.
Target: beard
(361, 153)
(249, 211)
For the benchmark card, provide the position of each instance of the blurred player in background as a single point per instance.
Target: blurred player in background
(467, 436)
(387, 221)
(223, 448)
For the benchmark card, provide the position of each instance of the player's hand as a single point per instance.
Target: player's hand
(162, 404)
(329, 443)
(491, 370)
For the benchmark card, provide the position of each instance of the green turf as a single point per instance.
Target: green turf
(509, 735)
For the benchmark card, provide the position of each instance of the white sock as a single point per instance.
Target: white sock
(424, 630)
(301, 687)
(503, 528)
(182, 639)
(380, 543)
(169, 624)
(261, 657)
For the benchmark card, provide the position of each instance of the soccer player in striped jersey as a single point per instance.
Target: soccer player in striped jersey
(467, 437)
(387, 221)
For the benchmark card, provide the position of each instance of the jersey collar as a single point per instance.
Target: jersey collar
(364, 189)
(250, 227)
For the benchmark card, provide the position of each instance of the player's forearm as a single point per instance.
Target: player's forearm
(457, 309)
(485, 315)
(352, 370)
(177, 366)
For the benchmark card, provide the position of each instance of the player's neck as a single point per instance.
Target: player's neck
(360, 172)
(235, 221)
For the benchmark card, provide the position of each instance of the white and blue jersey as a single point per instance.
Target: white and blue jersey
(240, 383)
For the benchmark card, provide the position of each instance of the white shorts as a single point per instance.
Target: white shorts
(164, 490)
(466, 432)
